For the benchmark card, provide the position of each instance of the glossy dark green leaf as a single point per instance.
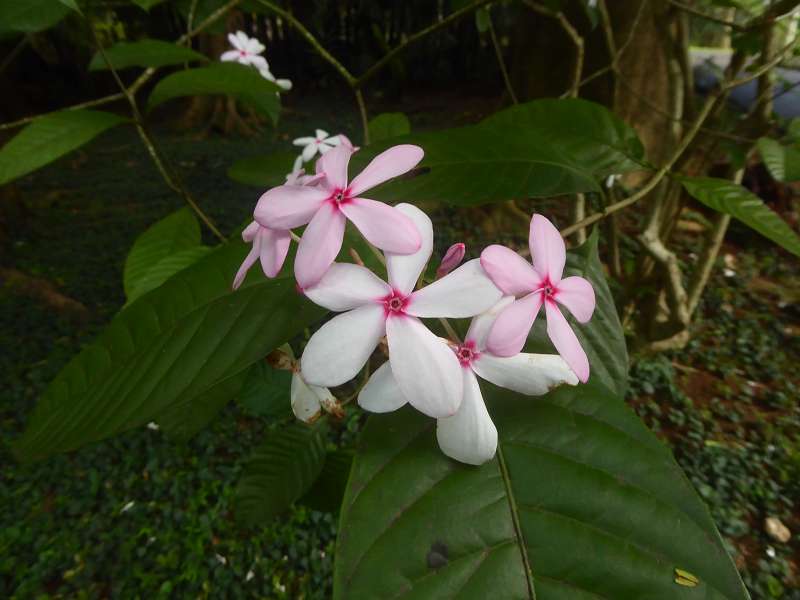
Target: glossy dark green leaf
(602, 338)
(50, 137)
(280, 471)
(164, 350)
(538, 149)
(783, 162)
(145, 53)
(71, 4)
(388, 125)
(30, 16)
(739, 202)
(328, 490)
(166, 268)
(163, 240)
(244, 83)
(266, 391)
(581, 502)
(263, 171)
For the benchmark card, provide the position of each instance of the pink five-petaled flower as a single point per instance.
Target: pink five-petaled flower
(469, 435)
(269, 245)
(246, 51)
(539, 284)
(327, 205)
(426, 370)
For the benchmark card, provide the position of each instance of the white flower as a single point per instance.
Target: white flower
(309, 400)
(427, 371)
(127, 507)
(319, 143)
(221, 559)
(249, 575)
(469, 435)
(611, 180)
(152, 426)
(247, 51)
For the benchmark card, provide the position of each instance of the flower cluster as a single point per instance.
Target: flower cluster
(501, 291)
(247, 51)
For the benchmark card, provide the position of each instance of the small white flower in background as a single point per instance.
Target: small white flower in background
(152, 426)
(127, 507)
(771, 552)
(284, 84)
(309, 400)
(611, 180)
(221, 559)
(246, 51)
(729, 272)
(249, 575)
(319, 143)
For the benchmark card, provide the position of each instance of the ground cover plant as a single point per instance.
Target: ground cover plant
(499, 453)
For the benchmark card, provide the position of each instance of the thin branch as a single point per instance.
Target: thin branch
(501, 63)
(362, 110)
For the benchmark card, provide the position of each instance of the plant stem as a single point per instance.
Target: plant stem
(362, 110)
(501, 63)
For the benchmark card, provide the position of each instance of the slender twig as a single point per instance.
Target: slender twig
(362, 110)
(500, 62)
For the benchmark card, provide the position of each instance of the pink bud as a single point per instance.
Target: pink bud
(452, 258)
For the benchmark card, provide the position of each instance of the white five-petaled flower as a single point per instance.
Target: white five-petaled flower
(319, 143)
(427, 371)
(469, 436)
(246, 51)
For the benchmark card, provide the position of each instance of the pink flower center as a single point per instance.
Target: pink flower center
(242, 53)
(340, 197)
(466, 353)
(549, 291)
(395, 304)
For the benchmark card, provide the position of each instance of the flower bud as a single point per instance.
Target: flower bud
(452, 258)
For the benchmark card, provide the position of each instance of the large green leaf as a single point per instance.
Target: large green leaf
(144, 53)
(164, 350)
(280, 471)
(581, 502)
(328, 490)
(244, 83)
(266, 391)
(163, 240)
(166, 268)
(602, 338)
(49, 138)
(30, 16)
(263, 171)
(388, 125)
(727, 197)
(542, 148)
(782, 161)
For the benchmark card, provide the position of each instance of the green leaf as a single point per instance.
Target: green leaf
(542, 148)
(263, 171)
(51, 137)
(794, 130)
(280, 471)
(388, 125)
(581, 493)
(727, 197)
(244, 83)
(783, 162)
(175, 233)
(482, 19)
(266, 391)
(71, 4)
(602, 338)
(144, 53)
(328, 490)
(147, 4)
(31, 16)
(165, 268)
(164, 351)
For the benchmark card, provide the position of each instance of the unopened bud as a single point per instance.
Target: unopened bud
(452, 258)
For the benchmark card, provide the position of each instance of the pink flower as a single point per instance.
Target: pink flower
(539, 284)
(452, 258)
(427, 371)
(269, 245)
(246, 51)
(327, 206)
(469, 435)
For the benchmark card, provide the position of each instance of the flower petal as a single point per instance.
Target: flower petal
(321, 134)
(229, 55)
(388, 164)
(566, 342)
(319, 245)
(259, 62)
(303, 141)
(288, 206)
(248, 262)
(465, 292)
(338, 350)
(577, 294)
(481, 325)
(334, 165)
(405, 269)
(509, 271)
(512, 326)
(451, 259)
(426, 370)
(530, 374)
(273, 250)
(309, 152)
(235, 41)
(469, 436)
(305, 402)
(345, 286)
(384, 226)
(381, 394)
(547, 249)
(249, 232)
(284, 84)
